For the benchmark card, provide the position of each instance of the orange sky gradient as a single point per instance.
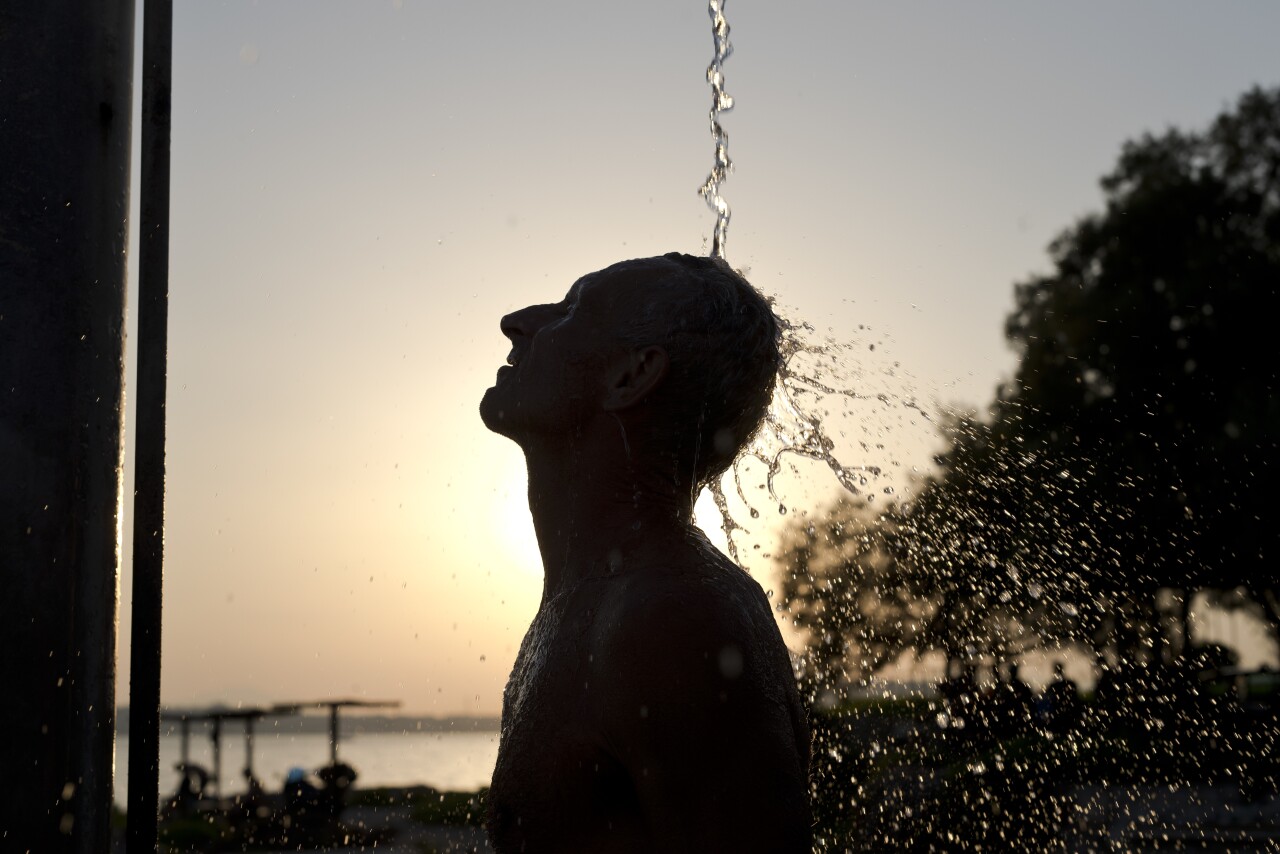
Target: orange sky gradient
(360, 191)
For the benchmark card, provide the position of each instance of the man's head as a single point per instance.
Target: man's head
(680, 348)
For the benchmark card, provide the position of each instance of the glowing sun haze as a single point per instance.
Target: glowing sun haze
(361, 190)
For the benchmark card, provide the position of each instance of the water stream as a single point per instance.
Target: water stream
(814, 372)
(721, 102)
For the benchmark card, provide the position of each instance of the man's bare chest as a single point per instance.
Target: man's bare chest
(549, 665)
(553, 762)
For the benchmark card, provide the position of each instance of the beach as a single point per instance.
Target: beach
(448, 761)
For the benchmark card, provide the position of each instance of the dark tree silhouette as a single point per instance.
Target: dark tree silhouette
(1147, 376)
(868, 586)
(1132, 452)
(1129, 458)
(980, 524)
(848, 588)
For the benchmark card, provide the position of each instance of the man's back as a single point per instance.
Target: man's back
(653, 707)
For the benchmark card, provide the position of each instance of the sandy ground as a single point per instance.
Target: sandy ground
(412, 837)
(407, 836)
(1205, 818)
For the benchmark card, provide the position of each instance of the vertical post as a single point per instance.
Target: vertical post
(215, 736)
(148, 503)
(65, 97)
(333, 733)
(248, 748)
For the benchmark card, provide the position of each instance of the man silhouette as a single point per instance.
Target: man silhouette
(652, 705)
(1062, 701)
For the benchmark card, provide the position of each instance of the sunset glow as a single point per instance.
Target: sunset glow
(361, 191)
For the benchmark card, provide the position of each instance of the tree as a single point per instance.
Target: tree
(846, 587)
(1146, 369)
(1131, 454)
(868, 587)
(975, 526)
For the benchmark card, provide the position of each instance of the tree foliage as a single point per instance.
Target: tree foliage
(1146, 362)
(849, 588)
(1146, 367)
(1132, 452)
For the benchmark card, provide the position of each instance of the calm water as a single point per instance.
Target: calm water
(456, 761)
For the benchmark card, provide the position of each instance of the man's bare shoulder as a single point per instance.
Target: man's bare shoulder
(697, 701)
(694, 630)
(678, 602)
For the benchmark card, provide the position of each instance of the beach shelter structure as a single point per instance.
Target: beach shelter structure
(333, 706)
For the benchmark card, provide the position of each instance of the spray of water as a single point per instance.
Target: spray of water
(832, 406)
(721, 102)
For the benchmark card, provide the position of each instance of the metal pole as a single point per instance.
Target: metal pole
(248, 749)
(148, 502)
(333, 734)
(216, 737)
(65, 112)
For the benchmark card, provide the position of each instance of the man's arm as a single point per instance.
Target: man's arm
(695, 712)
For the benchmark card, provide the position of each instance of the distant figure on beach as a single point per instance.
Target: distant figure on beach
(300, 795)
(191, 788)
(652, 706)
(1009, 703)
(1062, 701)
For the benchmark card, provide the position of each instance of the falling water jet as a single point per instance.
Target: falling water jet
(790, 428)
(721, 102)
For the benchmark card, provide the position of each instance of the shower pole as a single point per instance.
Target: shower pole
(148, 501)
(66, 70)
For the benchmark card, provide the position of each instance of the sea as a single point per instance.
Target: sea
(449, 761)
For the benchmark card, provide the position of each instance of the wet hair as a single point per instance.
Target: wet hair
(723, 344)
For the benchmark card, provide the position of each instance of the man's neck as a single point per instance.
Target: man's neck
(592, 511)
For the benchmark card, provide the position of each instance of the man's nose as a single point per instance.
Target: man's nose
(512, 326)
(524, 322)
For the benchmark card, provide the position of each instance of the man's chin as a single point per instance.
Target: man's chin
(493, 413)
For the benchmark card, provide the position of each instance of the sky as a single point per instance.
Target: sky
(361, 190)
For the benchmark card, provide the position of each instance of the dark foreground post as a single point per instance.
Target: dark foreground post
(65, 86)
(148, 502)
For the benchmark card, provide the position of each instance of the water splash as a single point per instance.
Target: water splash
(829, 404)
(721, 102)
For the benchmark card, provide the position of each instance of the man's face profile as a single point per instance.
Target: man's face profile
(615, 394)
(556, 374)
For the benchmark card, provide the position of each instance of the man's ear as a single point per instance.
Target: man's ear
(634, 376)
